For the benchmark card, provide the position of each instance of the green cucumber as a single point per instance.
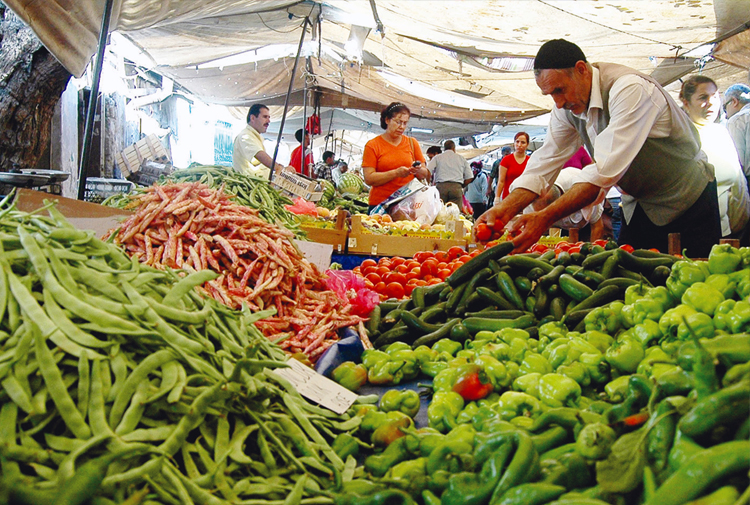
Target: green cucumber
(478, 262)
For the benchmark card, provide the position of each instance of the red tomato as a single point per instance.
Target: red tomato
(654, 249)
(382, 271)
(412, 264)
(394, 290)
(369, 284)
(423, 255)
(357, 270)
(464, 258)
(482, 232)
(540, 248)
(395, 277)
(421, 282)
(384, 262)
(601, 242)
(380, 287)
(373, 277)
(410, 276)
(574, 249)
(454, 252)
(441, 256)
(432, 282)
(442, 265)
(408, 289)
(443, 273)
(563, 246)
(627, 247)
(396, 261)
(402, 268)
(368, 263)
(429, 267)
(474, 252)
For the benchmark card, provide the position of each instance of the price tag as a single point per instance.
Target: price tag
(316, 387)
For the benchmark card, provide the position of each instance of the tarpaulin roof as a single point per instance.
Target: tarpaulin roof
(464, 61)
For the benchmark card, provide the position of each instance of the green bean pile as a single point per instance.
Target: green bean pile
(148, 392)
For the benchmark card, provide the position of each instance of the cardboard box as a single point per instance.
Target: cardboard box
(362, 242)
(297, 185)
(82, 215)
(335, 237)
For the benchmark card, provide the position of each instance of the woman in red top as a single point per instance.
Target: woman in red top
(512, 165)
(388, 159)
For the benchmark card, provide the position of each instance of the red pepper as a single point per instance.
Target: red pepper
(574, 249)
(601, 242)
(627, 247)
(472, 383)
(636, 419)
(540, 248)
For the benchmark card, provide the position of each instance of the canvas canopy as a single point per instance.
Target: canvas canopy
(458, 61)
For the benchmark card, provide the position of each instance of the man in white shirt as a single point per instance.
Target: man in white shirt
(640, 141)
(737, 107)
(450, 174)
(248, 154)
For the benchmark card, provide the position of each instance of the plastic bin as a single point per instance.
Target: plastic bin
(98, 188)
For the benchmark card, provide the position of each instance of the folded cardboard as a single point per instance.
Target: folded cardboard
(82, 215)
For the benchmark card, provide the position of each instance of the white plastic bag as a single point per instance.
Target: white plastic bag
(421, 206)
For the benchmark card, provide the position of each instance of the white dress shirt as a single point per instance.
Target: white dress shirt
(638, 110)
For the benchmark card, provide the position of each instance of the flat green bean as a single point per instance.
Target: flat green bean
(56, 387)
(70, 329)
(18, 394)
(135, 410)
(140, 374)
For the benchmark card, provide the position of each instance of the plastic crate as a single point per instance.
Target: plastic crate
(98, 188)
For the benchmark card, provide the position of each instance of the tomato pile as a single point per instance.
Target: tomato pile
(574, 247)
(397, 277)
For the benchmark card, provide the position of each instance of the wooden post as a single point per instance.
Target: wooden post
(673, 246)
(731, 241)
(573, 235)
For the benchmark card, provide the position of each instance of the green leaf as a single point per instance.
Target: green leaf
(622, 471)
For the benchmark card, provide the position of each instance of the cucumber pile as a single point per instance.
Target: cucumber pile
(495, 290)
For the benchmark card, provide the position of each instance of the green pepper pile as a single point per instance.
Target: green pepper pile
(120, 383)
(642, 398)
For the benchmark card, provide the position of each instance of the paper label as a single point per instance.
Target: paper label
(316, 387)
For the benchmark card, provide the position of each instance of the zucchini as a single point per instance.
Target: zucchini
(417, 324)
(431, 338)
(621, 282)
(470, 288)
(552, 277)
(523, 285)
(393, 335)
(548, 255)
(434, 313)
(609, 266)
(595, 260)
(373, 323)
(497, 314)
(541, 305)
(600, 297)
(477, 324)
(557, 308)
(642, 265)
(478, 262)
(575, 289)
(455, 297)
(495, 299)
(508, 289)
(572, 319)
(524, 263)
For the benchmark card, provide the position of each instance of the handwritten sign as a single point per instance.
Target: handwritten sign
(316, 387)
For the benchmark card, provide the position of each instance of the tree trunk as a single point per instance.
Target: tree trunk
(31, 82)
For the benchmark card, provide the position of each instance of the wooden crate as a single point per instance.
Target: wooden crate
(148, 148)
(361, 242)
(336, 236)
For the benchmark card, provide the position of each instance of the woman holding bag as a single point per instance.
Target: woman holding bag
(392, 160)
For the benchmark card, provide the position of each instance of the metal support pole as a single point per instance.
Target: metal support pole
(286, 100)
(88, 131)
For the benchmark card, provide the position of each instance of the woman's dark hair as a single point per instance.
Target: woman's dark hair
(528, 139)
(690, 85)
(434, 149)
(392, 110)
(298, 135)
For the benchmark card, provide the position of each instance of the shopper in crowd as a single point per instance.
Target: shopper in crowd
(590, 215)
(324, 169)
(737, 107)
(642, 142)
(477, 189)
(701, 100)
(296, 161)
(451, 173)
(432, 151)
(392, 160)
(579, 160)
(339, 169)
(495, 174)
(512, 166)
(248, 154)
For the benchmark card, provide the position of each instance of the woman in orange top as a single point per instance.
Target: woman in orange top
(388, 160)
